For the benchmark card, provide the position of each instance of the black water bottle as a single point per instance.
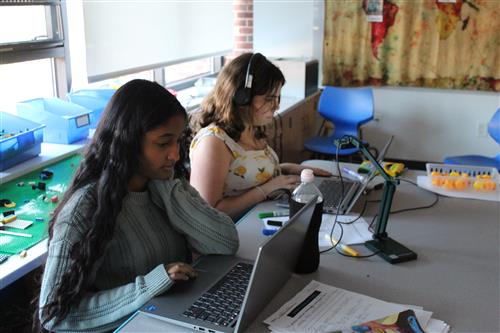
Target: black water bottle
(308, 260)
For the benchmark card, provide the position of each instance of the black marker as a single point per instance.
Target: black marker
(275, 223)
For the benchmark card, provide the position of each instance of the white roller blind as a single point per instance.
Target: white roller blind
(124, 35)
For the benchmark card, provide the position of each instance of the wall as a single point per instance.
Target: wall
(428, 124)
(283, 28)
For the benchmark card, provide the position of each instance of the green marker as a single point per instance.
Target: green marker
(273, 214)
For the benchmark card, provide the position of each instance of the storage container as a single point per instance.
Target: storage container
(20, 140)
(463, 178)
(65, 122)
(94, 100)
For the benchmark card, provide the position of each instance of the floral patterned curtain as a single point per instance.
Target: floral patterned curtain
(425, 43)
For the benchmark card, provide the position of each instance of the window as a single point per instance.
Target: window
(117, 82)
(32, 49)
(141, 35)
(30, 25)
(188, 70)
(25, 80)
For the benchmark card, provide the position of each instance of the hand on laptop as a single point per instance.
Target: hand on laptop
(288, 182)
(179, 271)
(296, 169)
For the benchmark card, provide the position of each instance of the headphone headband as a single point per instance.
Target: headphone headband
(243, 96)
(249, 76)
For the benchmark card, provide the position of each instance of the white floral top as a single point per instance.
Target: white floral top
(248, 169)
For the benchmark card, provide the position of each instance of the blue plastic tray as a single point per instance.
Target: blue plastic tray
(93, 99)
(65, 122)
(20, 140)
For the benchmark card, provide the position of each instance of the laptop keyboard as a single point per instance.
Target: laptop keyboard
(331, 190)
(222, 303)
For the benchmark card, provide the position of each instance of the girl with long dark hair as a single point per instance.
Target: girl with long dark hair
(125, 230)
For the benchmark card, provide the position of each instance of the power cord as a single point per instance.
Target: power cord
(370, 226)
(337, 163)
(436, 200)
(336, 221)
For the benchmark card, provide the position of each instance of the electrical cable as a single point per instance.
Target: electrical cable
(436, 200)
(334, 246)
(365, 204)
(357, 257)
(337, 163)
(370, 226)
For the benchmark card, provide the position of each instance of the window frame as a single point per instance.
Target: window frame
(58, 51)
(189, 82)
(54, 49)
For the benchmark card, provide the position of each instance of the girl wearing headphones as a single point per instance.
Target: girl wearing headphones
(232, 166)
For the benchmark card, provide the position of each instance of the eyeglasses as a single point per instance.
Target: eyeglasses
(273, 99)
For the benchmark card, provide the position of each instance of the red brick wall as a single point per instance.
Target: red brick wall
(243, 27)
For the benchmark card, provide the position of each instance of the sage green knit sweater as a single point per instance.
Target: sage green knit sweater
(154, 228)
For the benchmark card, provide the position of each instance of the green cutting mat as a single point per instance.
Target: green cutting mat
(30, 203)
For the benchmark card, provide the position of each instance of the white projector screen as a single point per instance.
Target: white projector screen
(122, 35)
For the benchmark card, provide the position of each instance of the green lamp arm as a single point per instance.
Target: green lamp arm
(389, 186)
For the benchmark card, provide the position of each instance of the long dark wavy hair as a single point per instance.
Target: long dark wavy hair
(110, 160)
(218, 107)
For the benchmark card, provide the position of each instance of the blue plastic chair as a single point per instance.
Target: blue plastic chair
(347, 109)
(494, 131)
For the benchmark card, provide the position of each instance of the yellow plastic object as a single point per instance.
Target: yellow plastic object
(437, 181)
(448, 184)
(460, 184)
(365, 167)
(463, 178)
(484, 185)
(9, 218)
(10, 205)
(394, 169)
(490, 185)
(478, 186)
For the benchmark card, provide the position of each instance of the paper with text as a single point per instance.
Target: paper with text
(322, 308)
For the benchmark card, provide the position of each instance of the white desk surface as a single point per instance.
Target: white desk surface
(456, 274)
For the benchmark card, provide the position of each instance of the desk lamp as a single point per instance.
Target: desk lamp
(384, 246)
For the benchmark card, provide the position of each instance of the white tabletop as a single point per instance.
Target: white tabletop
(456, 275)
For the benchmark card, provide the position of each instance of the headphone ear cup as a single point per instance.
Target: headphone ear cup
(242, 97)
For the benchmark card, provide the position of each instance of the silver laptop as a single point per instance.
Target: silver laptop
(230, 292)
(332, 188)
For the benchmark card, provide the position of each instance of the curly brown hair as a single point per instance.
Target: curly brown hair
(219, 108)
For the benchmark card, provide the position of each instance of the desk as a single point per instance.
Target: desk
(456, 274)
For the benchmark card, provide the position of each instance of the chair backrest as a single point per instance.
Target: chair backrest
(346, 107)
(494, 126)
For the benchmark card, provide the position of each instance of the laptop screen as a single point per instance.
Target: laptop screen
(275, 264)
(368, 177)
(380, 158)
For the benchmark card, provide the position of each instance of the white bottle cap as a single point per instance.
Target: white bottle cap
(307, 176)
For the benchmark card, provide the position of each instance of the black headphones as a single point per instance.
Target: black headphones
(243, 96)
